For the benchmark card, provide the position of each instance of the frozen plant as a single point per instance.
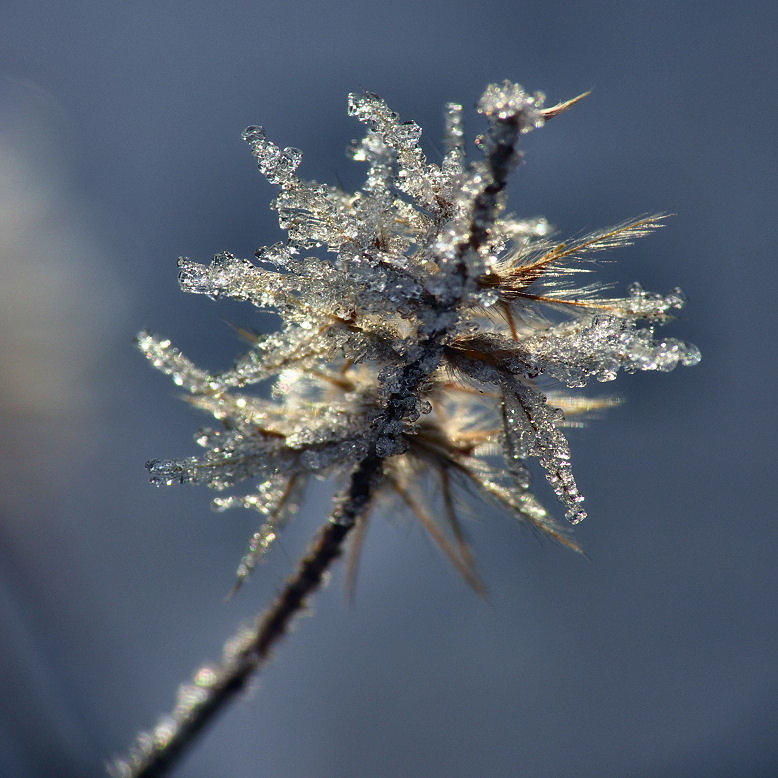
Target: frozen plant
(428, 338)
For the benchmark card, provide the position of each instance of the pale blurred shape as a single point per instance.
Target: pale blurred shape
(58, 303)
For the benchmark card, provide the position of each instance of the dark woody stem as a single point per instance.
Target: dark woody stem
(255, 650)
(501, 159)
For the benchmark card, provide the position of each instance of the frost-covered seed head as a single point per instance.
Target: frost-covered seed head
(424, 329)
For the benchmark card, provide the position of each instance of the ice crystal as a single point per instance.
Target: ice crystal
(427, 332)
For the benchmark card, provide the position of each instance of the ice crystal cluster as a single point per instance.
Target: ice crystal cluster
(428, 336)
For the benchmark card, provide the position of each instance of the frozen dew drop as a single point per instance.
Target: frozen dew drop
(676, 298)
(188, 697)
(385, 446)
(691, 355)
(164, 731)
(205, 677)
(254, 134)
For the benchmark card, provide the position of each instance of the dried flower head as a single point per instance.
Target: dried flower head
(424, 329)
(427, 339)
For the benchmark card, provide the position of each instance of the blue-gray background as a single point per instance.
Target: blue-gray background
(120, 151)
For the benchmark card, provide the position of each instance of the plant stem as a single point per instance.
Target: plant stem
(254, 646)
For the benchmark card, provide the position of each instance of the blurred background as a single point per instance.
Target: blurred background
(120, 150)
